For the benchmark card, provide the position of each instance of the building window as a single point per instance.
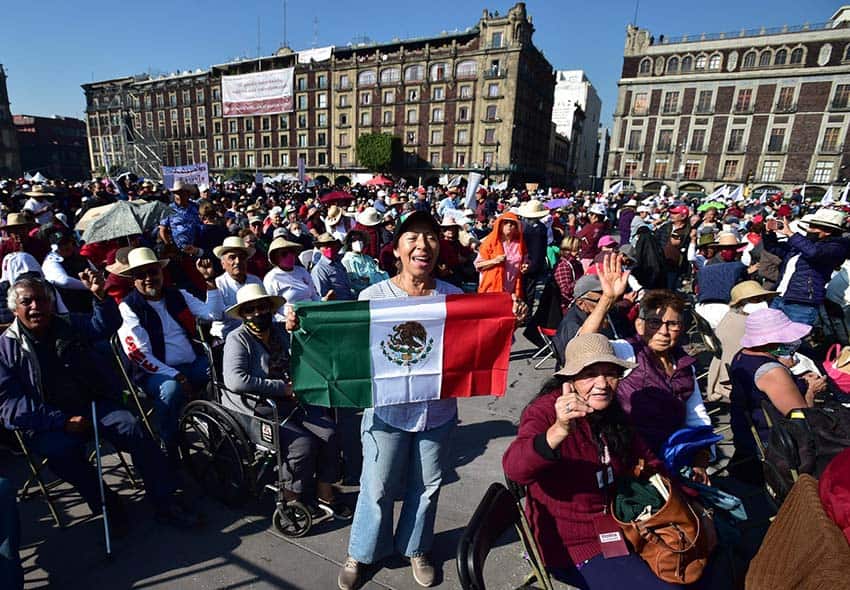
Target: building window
(823, 173)
(366, 78)
(174, 115)
(302, 102)
(283, 140)
(736, 140)
(387, 117)
(343, 159)
(493, 90)
(217, 110)
(344, 82)
(410, 137)
(343, 100)
(172, 99)
(365, 98)
(665, 140)
(749, 60)
(745, 95)
(389, 96)
(438, 72)
(629, 168)
(219, 161)
(413, 95)
(283, 157)
(645, 66)
(704, 101)
(233, 126)
(697, 140)
(490, 136)
(488, 158)
(234, 160)
(730, 170)
(187, 97)
(786, 99)
(714, 62)
(467, 69)
(641, 103)
(634, 140)
(436, 137)
(830, 139)
(687, 64)
(797, 56)
(671, 103)
(462, 136)
(343, 140)
(841, 99)
(765, 58)
(249, 124)
(322, 81)
(463, 114)
(302, 140)
(366, 118)
(699, 64)
(490, 114)
(322, 120)
(659, 168)
(412, 116)
(437, 115)
(322, 100)
(770, 171)
(465, 91)
(234, 143)
(437, 93)
(267, 141)
(390, 75)
(321, 139)
(435, 159)
(776, 143)
(692, 169)
(414, 73)
(301, 83)
(249, 160)
(460, 159)
(302, 121)
(673, 65)
(267, 160)
(496, 40)
(323, 159)
(780, 58)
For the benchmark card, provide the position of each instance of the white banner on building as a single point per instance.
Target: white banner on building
(194, 173)
(261, 93)
(317, 54)
(302, 170)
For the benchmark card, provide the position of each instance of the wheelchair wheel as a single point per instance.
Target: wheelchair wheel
(292, 519)
(216, 452)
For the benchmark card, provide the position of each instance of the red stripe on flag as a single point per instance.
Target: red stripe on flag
(477, 344)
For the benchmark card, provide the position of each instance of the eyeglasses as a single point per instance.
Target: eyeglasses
(143, 273)
(656, 323)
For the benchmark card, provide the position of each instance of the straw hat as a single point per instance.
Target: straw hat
(748, 290)
(771, 326)
(727, 239)
(252, 292)
(533, 209)
(38, 191)
(326, 239)
(283, 244)
(705, 239)
(17, 220)
(139, 257)
(233, 243)
(334, 215)
(120, 266)
(186, 187)
(828, 219)
(588, 349)
(369, 217)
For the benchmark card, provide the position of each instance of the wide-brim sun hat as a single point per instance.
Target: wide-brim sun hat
(252, 292)
(233, 243)
(533, 209)
(832, 219)
(746, 290)
(727, 239)
(335, 213)
(589, 349)
(771, 326)
(17, 220)
(326, 239)
(369, 217)
(283, 244)
(598, 209)
(39, 191)
(141, 257)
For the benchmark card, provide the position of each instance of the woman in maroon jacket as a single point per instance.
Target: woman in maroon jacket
(574, 442)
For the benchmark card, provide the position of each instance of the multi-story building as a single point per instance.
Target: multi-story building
(10, 161)
(768, 108)
(576, 112)
(55, 146)
(476, 100)
(557, 167)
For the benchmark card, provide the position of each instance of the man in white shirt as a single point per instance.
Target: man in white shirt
(158, 324)
(38, 206)
(234, 255)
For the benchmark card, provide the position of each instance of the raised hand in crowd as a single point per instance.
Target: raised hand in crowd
(613, 278)
(94, 282)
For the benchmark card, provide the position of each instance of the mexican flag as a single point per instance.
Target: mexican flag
(361, 354)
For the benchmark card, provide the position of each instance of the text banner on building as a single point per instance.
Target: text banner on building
(193, 173)
(261, 93)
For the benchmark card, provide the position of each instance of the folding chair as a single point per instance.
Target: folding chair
(497, 511)
(215, 356)
(709, 339)
(549, 347)
(36, 466)
(130, 386)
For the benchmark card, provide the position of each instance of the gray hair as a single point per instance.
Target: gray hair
(33, 283)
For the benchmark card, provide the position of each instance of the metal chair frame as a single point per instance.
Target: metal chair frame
(131, 387)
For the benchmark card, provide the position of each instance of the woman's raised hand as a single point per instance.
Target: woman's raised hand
(612, 277)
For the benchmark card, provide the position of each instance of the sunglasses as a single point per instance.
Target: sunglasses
(655, 324)
(144, 273)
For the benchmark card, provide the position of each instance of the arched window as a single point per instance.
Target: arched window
(390, 75)
(467, 69)
(645, 66)
(687, 64)
(749, 60)
(366, 78)
(765, 58)
(414, 73)
(714, 62)
(673, 65)
(780, 58)
(797, 56)
(699, 64)
(438, 72)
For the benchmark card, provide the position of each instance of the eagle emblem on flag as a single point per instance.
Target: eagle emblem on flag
(408, 344)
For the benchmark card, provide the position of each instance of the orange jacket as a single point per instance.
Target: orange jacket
(493, 279)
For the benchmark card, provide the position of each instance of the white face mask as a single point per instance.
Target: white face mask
(295, 232)
(753, 307)
(357, 246)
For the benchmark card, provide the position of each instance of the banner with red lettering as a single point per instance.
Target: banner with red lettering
(260, 93)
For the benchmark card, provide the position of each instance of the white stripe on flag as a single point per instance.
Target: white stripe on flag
(394, 383)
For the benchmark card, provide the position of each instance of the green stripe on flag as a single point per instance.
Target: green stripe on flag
(321, 378)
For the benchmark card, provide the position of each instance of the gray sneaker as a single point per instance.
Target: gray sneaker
(423, 570)
(349, 575)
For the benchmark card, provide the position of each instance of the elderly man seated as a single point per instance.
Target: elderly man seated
(234, 255)
(49, 376)
(256, 361)
(156, 334)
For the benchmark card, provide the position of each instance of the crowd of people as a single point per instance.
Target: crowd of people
(610, 282)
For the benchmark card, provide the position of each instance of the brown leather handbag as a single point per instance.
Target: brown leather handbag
(676, 541)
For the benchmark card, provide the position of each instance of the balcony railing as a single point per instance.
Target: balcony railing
(786, 107)
(494, 73)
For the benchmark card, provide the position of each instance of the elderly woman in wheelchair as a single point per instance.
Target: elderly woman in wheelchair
(261, 411)
(574, 443)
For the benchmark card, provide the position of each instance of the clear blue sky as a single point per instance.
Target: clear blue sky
(49, 52)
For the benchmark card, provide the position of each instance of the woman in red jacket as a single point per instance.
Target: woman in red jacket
(574, 442)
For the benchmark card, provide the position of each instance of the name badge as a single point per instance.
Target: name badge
(610, 536)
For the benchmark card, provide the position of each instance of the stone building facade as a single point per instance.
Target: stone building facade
(10, 160)
(475, 100)
(55, 146)
(766, 108)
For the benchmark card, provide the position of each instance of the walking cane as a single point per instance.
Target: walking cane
(100, 479)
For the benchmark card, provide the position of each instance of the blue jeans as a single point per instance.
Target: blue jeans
(392, 457)
(797, 312)
(66, 456)
(167, 396)
(11, 574)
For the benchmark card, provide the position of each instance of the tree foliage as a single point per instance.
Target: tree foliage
(378, 152)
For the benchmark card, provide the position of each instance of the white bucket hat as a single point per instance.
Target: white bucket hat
(139, 257)
(252, 292)
(369, 217)
(233, 243)
(533, 209)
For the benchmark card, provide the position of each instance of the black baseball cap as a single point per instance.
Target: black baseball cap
(410, 219)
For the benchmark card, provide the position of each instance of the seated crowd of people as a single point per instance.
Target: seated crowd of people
(611, 283)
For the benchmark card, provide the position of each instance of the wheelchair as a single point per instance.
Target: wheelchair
(233, 455)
